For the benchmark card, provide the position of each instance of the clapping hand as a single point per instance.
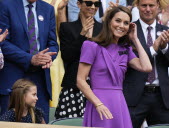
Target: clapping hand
(3, 35)
(43, 58)
(162, 40)
(111, 5)
(165, 39)
(87, 24)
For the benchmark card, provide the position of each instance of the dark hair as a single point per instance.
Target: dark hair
(105, 37)
(17, 102)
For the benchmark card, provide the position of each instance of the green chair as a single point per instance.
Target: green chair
(159, 126)
(51, 113)
(68, 121)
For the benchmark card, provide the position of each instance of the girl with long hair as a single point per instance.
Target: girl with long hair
(22, 108)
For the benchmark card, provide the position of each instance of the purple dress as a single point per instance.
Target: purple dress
(107, 73)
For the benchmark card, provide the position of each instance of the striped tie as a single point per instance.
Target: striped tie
(31, 31)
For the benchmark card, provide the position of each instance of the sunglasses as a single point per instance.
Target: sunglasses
(90, 3)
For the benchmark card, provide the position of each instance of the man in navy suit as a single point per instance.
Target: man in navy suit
(20, 62)
(147, 94)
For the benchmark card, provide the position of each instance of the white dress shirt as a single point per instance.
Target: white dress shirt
(153, 52)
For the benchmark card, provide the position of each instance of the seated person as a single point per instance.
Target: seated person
(22, 108)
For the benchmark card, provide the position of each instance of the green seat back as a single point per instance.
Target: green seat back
(68, 121)
(51, 113)
(159, 126)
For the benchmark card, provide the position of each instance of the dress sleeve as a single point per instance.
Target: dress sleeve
(88, 52)
(131, 54)
(39, 114)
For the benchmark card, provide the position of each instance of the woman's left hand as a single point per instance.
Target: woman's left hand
(133, 32)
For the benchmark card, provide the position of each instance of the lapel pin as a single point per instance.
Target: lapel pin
(40, 17)
(158, 33)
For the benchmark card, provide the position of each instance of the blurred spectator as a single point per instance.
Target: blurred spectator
(130, 2)
(2, 38)
(135, 11)
(73, 10)
(163, 17)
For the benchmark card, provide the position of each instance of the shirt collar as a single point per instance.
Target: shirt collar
(144, 25)
(25, 3)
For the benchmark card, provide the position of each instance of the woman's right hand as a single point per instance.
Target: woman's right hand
(104, 111)
(87, 24)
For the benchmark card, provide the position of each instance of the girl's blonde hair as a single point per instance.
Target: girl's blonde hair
(17, 102)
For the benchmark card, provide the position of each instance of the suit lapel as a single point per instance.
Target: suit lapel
(142, 39)
(141, 35)
(40, 18)
(78, 25)
(21, 14)
(158, 29)
(96, 29)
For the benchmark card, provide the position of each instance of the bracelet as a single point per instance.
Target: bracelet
(99, 105)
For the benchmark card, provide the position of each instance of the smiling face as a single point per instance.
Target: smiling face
(148, 10)
(87, 11)
(31, 96)
(120, 24)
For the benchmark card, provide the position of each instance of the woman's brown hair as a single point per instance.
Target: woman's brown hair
(105, 37)
(17, 102)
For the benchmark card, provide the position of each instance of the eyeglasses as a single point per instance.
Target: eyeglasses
(90, 3)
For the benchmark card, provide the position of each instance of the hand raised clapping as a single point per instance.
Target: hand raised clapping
(43, 59)
(87, 24)
(161, 41)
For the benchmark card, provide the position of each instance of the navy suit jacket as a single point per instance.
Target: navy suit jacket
(135, 81)
(16, 47)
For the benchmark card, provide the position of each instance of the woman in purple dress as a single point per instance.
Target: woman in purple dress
(105, 59)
